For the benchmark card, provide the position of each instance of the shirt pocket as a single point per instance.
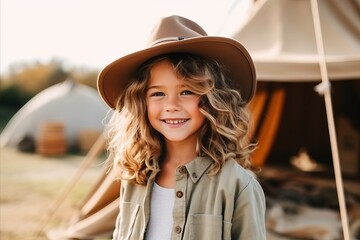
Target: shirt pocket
(209, 227)
(126, 220)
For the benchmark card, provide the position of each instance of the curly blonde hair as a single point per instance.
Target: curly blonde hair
(136, 147)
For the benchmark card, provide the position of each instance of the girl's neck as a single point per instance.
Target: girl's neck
(180, 153)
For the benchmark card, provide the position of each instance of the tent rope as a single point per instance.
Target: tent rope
(324, 89)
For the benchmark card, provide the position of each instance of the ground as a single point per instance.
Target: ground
(30, 188)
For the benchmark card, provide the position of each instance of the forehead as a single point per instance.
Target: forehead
(163, 73)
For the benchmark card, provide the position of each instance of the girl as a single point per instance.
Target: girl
(178, 137)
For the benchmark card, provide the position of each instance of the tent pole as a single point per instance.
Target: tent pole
(93, 153)
(324, 89)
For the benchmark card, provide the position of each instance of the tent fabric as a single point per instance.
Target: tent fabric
(280, 37)
(98, 225)
(267, 127)
(104, 192)
(96, 218)
(77, 106)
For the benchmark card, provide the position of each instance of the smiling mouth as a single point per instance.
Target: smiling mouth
(175, 121)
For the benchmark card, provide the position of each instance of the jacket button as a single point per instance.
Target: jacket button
(179, 194)
(182, 170)
(178, 229)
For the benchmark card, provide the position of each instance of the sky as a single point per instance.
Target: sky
(92, 33)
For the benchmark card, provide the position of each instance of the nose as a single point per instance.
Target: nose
(172, 104)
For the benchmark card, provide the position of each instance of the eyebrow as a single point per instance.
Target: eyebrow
(154, 86)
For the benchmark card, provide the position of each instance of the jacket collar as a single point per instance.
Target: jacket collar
(198, 167)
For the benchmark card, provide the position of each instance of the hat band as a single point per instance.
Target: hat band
(167, 39)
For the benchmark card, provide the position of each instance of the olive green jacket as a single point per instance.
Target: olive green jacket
(229, 205)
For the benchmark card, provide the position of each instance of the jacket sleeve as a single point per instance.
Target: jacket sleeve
(249, 213)
(115, 234)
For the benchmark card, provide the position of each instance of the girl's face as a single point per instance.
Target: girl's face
(173, 110)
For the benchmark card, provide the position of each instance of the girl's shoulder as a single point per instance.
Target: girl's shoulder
(232, 167)
(233, 172)
(240, 181)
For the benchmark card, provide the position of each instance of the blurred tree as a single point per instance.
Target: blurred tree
(85, 76)
(25, 80)
(31, 78)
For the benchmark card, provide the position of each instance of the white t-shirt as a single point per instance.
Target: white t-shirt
(161, 209)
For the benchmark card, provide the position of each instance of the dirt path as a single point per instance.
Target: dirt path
(29, 186)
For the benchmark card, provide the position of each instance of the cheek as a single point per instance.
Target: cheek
(195, 112)
(193, 107)
(201, 118)
(152, 111)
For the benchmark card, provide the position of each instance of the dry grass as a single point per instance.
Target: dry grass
(29, 186)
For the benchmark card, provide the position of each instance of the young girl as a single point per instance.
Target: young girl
(178, 137)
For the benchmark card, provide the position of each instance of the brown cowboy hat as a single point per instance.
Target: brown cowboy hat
(178, 34)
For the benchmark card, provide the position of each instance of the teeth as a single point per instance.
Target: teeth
(177, 121)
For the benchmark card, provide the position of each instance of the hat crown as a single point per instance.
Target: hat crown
(174, 28)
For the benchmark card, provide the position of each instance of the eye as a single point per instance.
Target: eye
(186, 92)
(157, 94)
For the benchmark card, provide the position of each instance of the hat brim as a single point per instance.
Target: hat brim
(115, 76)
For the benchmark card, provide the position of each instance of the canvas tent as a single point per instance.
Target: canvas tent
(289, 114)
(77, 106)
(280, 36)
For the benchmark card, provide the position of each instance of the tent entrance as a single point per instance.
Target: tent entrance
(301, 125)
